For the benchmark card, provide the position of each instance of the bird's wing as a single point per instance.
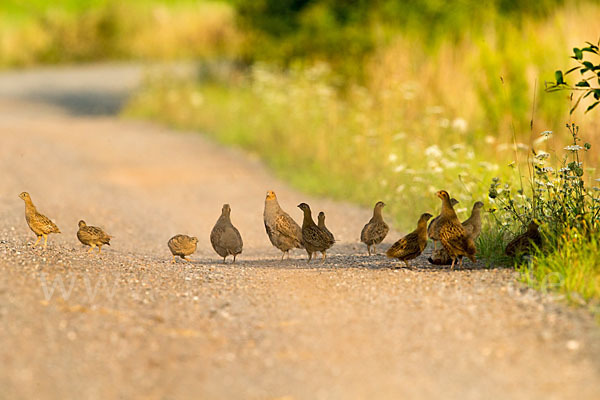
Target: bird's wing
(407, 245)
(46, 224)
(286, 226)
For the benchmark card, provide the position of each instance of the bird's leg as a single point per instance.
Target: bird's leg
(45, 241)
(453, 261)
(99, 249)
(91, 248)
(375, 248)
(224, 259)
(187, 259)
(283, 255)
(324, 256)
(369, 249)
(173, 261)
(234, 258)
(434, 245)
(461, 260)
(406, 263)
(37, 241)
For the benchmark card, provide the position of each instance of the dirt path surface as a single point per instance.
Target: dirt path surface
(352, 328)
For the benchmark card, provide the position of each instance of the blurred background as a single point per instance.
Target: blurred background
(360, 100)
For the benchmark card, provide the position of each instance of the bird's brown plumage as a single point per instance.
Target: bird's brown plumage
(473, 224)
(182, 246)
(92, 236)
(321, 224)
(376, 229)
(38, 223)
(413, 244)
(313, 237)
(524, 243)
(433, 230)
(224, 237)
(284, 233)
(453, 236)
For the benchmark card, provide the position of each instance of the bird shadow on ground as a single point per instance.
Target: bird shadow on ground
(342, 256)
(82, 102)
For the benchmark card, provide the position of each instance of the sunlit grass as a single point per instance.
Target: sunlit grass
(40, 32)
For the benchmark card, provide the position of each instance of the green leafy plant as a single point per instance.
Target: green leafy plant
(588, 65)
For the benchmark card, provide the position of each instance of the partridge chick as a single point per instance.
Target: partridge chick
(321, 224)
(284, 233)
(375, 230)
(413, 244)
(182, 246)
(38, 223)
(313, 237)
(92, 236)
(224, 237)
(524, 243)
(453, 235)
(433, 230)
(473, 223)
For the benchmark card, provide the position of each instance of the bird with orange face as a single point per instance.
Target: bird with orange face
(284, 233)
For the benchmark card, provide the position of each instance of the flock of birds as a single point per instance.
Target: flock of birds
(457, 238)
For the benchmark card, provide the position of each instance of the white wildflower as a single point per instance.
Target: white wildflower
(564, 169)
(433, 151)
(444, 123)
(399, 168)
(435, 110)
(460, 124)
(542, 155)
(399, 136)
(489, 139)
(392, 157)
(400, 188)
(574, 147)
(547, 169)
(546, 133)
(597, 179)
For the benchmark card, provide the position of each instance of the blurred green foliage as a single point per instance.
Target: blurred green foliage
(339, 30)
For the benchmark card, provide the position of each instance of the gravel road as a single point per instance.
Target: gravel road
(131, 325)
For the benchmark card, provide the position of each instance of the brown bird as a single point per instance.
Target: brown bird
(182, 246)
(472, 226)
(314, 238)
(38, 223)
(453, 235)
(433, 230)
(321, 224)
(524, 243)
(375, 230)
(473, 223)
(284, 233)
(413, 244)
(440, 257)
(224, 237)
(92, 236)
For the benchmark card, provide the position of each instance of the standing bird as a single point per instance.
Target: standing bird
(453, 235)
(472, 226)
(375, 230)
(283, 231)
(314, 238)
(524, 243)
(182, 246)
(413, 244)
(38, 223)
(433, 230)
(224, 237)
(473, 223)
(92, 236)
(321, 224)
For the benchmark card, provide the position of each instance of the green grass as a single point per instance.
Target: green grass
(572, 268)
